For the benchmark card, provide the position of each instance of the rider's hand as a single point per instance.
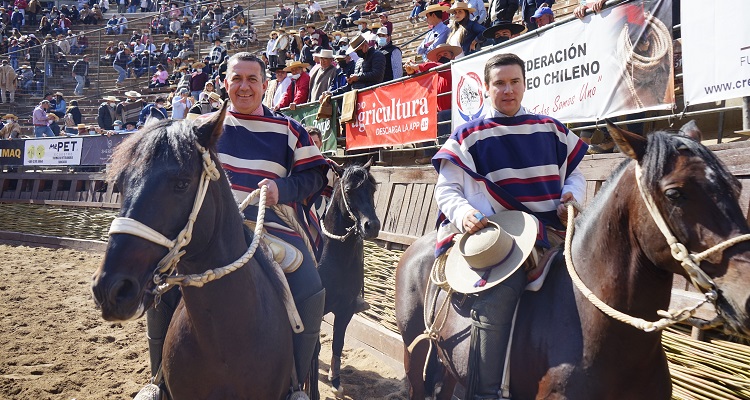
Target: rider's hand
(580, 11)
(471, 223)
(562, 209)
(272, 194)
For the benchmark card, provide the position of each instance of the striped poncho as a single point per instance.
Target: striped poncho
(518, 163)
(253, 148)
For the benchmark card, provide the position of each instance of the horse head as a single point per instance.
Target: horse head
(704, 234)
(358, 187)
(160, 171)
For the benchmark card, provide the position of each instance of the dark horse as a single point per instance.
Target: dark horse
(565, 348)
(349, 220)
(230, 338)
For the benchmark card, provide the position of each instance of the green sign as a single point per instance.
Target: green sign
(305, 115)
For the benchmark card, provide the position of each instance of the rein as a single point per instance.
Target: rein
(689, 261)
(349, 230)
(163, 275)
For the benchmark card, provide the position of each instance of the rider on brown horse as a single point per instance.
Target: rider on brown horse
(508, 159)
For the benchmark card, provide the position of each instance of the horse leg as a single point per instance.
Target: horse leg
(340, 322)
(414, 363)
(448, 386)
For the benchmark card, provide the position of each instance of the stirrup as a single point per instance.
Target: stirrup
(298, 395)
(149, 392)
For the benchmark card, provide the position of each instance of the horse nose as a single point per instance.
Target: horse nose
(371, 228)
(109, 293)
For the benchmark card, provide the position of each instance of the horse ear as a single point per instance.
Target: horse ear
(209, 129)
(369, 162)
(691, 131)
(630, 144)
(337, 169)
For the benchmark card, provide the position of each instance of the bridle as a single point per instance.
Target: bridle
(164, 277)
(350, 230)
(690, 263)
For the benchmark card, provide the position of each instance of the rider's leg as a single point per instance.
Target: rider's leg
(491, 319)
(157, 322)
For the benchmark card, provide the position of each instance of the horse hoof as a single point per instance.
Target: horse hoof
(339, 391)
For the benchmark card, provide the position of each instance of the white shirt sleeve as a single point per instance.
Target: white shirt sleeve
(576, 185)
(451, 191)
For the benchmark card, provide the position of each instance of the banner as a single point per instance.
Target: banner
(97, 150)
(11, 152)
(399, 113)
(63, 151)
(306, 115)
(616, 62)
(715, 50)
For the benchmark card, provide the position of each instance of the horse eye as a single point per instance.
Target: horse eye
(182, 185)
(673, 194)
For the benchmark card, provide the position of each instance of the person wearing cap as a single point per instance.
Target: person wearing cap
(8, 82)
(529, 7)
(154, 110)
(106, 114)
(120, 64)
(16, 19)
(306, 53)
(181, 104)
(501, 31)
(439, 32)
(344, 69)
(464, 32)
(393, 57)
(11, 129)
(322, 77)
(369, 71)
(117, 126)
(534, 173)
(299, 91)
(543, 16)
(386, 23)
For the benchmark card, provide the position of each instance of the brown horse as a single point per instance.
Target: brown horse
(565, 348)
(229, 338)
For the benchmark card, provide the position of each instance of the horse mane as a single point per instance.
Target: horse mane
(163, 139)
(356, 175)
(663, 147)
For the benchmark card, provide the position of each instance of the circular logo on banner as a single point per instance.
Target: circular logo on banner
(470, 96)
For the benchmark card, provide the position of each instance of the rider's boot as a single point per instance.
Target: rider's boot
(491, 320)
(311, 314)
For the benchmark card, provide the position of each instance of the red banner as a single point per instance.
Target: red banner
(400, 113)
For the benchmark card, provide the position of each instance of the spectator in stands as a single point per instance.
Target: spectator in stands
(33, 8)
(277, 87)
(160, 77)
(129, 110)
(75, 14)
(338, 18)
(208, 88)
(175, 27)
(336, 43)
(322, 77)
(419, 6)
(181, 104)
(82, 43)
(273, 57)
(372, 7)
(282, 47)
(543, 16)
(45, 26)
(306, 54)
(111, 27)
(318, 35)
(386, 23)
(16, 19)
(393, 57)
(105, 115)
(299, 91)
(8, 82)
(41, 120)
(27, 81)
(33, 44)
(80, 71)
(60, 105)
(63, 44)
(344, 68)
(503, 10)
(370, 67)
(353, 15)
(154, 110)
(464, 32)
(295, 15)
(279, 18)
(439, 32)
(440, 55)
(120, 64)
(210, 104)
(14, 52)
(529, 7)
(103, 6)
(314, 11)
(11, 129)
(198, 80)
(501, 31)
(72, 118)
(64, 25)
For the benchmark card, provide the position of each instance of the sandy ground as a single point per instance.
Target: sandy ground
(54, 344)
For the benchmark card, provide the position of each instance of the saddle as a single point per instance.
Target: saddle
(287, 256)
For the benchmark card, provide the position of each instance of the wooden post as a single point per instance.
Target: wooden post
(745, 117)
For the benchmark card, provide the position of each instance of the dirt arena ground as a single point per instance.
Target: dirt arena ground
(54, 344)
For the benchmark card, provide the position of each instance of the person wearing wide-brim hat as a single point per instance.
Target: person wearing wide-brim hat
(366, 73)
(322, 76)
(438, 54)
(299, 92)
(439, 32)
(106, 112)
(11, 129)
(501, 31)
(132, 94)
(463, 31)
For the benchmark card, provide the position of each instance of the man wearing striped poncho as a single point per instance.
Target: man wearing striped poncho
(508, 159)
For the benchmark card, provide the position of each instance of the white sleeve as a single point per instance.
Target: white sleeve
(576, 185)
(449, 193)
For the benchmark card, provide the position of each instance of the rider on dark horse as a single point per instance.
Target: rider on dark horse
(508, 159)
(259, 147)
